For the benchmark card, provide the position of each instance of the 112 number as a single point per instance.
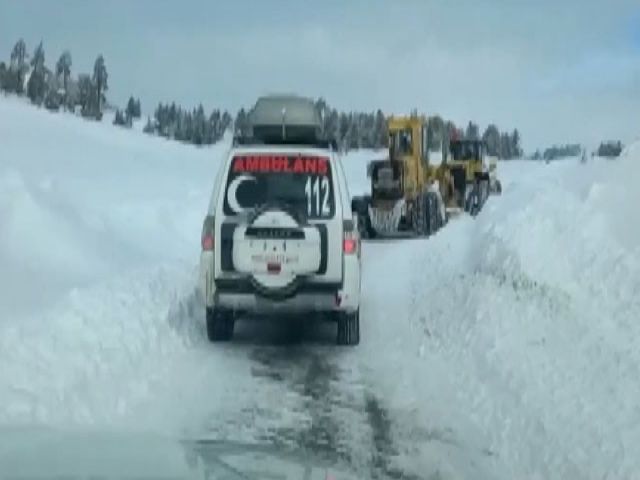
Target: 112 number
(317, 192)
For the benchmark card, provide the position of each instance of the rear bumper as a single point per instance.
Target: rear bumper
(240, 294)
(300, 303)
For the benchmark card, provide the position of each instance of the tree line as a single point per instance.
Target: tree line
(191, 126)
(609, 148)
(353, 130)
(57, 89)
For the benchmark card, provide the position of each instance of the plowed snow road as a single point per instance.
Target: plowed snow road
(502, 347)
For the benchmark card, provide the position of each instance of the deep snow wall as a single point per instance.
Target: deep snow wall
(82, 200)
(536, 312)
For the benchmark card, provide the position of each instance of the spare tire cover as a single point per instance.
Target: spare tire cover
(277, 249)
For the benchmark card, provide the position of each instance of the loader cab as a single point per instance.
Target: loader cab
(467, 150)
(386, 179)
(387, 176)
(471, 155)
(401, 143)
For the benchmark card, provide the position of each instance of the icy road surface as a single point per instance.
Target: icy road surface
(503, 347)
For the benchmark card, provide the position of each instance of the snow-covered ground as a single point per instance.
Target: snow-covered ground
(503, 347)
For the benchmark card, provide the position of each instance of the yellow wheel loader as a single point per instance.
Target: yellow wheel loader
(406, 196)
(474, 173)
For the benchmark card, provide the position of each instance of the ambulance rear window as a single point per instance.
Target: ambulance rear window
(302, 182)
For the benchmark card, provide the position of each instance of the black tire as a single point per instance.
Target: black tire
(432, 210)
(475, 200)
(364, 226)
(360, 205)
(219, 325)
(348, 328)
(420, 216)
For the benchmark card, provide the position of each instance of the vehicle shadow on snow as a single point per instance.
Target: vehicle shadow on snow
(287, 330)
(186, 316)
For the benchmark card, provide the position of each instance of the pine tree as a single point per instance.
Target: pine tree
(131, 108)
(63, 69)
(515, 144)
(100, 77)
(18, 67)
(226, 122)
(472, 132)
(241, 125)
(199, 121)
(3, 76)
(88, 97)
(381, 133)
(121, 119)
(505, 147)
(149, 127)
(36, 86)
(216, 125)
(491, 137)
(343, 131)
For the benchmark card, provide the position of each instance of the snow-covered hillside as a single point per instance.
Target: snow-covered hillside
(503, 347)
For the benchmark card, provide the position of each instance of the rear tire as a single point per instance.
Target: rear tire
(348, 328)
(361, 206)
(432, 209)
(420, 216)
(474, 203)
(220, 325)
(364, 226)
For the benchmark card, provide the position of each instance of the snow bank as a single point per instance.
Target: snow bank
(81, 200)
(537, 312)
(510, 342)
(99, 230)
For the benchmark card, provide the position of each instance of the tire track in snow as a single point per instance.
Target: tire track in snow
(346, 424)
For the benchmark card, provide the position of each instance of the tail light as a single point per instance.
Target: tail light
(350, 245)
(351, 240)
(207, 238)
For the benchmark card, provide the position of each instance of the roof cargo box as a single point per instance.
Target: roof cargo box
(288, 119)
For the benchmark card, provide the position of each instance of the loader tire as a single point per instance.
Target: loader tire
(364, 226)
(433, 213)
(348, 328)
(220, 325)
(475, 201)
(360, 205)
(416, 211)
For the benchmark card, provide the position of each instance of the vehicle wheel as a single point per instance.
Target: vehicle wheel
(364, 226)
(498, 187)
(475, 200)
(433, 213)
(420, 216)
(219, 325)
(442, 214)
(348, 328)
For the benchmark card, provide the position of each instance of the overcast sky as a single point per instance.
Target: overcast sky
(559, 70)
